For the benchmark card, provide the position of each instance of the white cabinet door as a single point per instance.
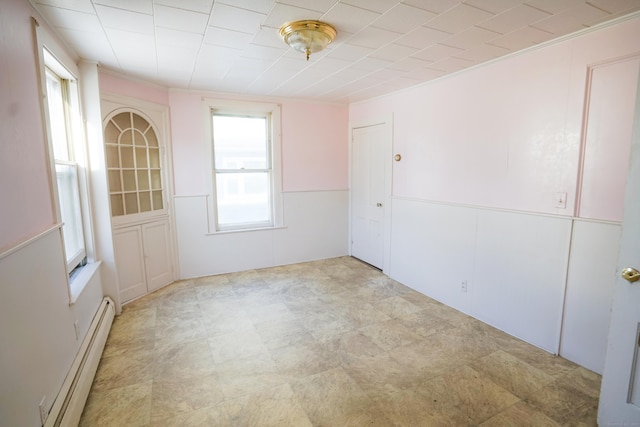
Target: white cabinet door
(157, 254)
(129, 253)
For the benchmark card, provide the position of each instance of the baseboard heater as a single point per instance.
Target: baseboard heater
(68, 406)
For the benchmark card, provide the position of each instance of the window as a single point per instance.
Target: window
(245, 165)
(133, 162)
(62, 105)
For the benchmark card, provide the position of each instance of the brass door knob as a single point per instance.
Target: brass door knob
(631, 274)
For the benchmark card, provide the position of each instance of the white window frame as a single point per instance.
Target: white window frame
(244, 108)
(50, 54)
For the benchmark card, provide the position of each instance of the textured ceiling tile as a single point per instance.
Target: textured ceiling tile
(283, 13)
(140, 6)
(422, 37)
(142, 57)
(458, 19)
(215, 61)
(70, 19)
(470, 38)
(260, 6)
(522, 38)
(570, 20)
(228, 38)
(451, 65)
(349, 52)
(263, 52)
(409, 64)
(77, 5)
(373, 37)
(169, 37)
(176, 58)
(436, 52)
(234, 18)
(482, 53)
(393, 52)
(93, 46)
(403, 18)
(202, 6)
(379, 6)
(268, 36)
(437, 6)
(317, 5)
(494, 6)
(371, 64)
(512, 19)
(616, 6)
(555, 6)
(180, 19)
(125, 20)
(349, 18)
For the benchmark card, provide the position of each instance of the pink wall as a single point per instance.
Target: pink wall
(506, 135)
(25, 201)
(121, 86)
(315, 151)
(314, 145)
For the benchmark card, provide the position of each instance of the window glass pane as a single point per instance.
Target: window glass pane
(69, 196)
(143, 180)
(240, 142)
(151, 138)
(112, 156)
(57, 120)
(243, 198)
(129, 178)
(157, 200)
(131, 203)
(126, 137)
(139, 139)
(126, 155)
(111, 133)
(139, 123)
(154, 158)
(145, 201)
(115, 184)
(117, 205)
(141, 158)
(156, 181)
(123, 120)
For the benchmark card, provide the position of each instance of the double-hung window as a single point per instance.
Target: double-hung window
(246, 172)
(64, 130)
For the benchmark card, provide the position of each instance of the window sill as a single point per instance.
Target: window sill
(81, 280)
(245, 230)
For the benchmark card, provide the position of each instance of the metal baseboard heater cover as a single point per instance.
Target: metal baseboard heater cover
(68, 406)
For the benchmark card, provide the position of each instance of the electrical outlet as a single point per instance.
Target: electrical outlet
(43, 410)
(463, 286)
(561, 200)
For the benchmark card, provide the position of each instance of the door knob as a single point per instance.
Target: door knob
(379, 205)
(631, 274)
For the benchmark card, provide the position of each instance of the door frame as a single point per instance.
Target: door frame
(387, 122)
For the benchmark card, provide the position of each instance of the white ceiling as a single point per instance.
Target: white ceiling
(382, 45)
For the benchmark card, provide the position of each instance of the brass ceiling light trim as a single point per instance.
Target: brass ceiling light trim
(307, 36)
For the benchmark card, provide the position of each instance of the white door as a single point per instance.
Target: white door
(368, 194)
(620, 393)
(129, 253)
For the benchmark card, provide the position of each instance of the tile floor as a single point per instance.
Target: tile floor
(326, 343)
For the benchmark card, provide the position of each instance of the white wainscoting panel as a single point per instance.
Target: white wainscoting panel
(520, 274)
(591, 280)
(514, 264)
(432, 250)
(316, 226)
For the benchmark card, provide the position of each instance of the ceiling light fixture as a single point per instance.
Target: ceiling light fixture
(307, 36)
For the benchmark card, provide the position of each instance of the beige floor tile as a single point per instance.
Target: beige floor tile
(465, 390)
(331, 398)
(213, 416)
(174, 396)
(520, 415)
(276, 406)
(183, 361)
(332, 342)
(243, 377)
(511, 373)
(390, 334)
(123, 406)
(122, 370)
